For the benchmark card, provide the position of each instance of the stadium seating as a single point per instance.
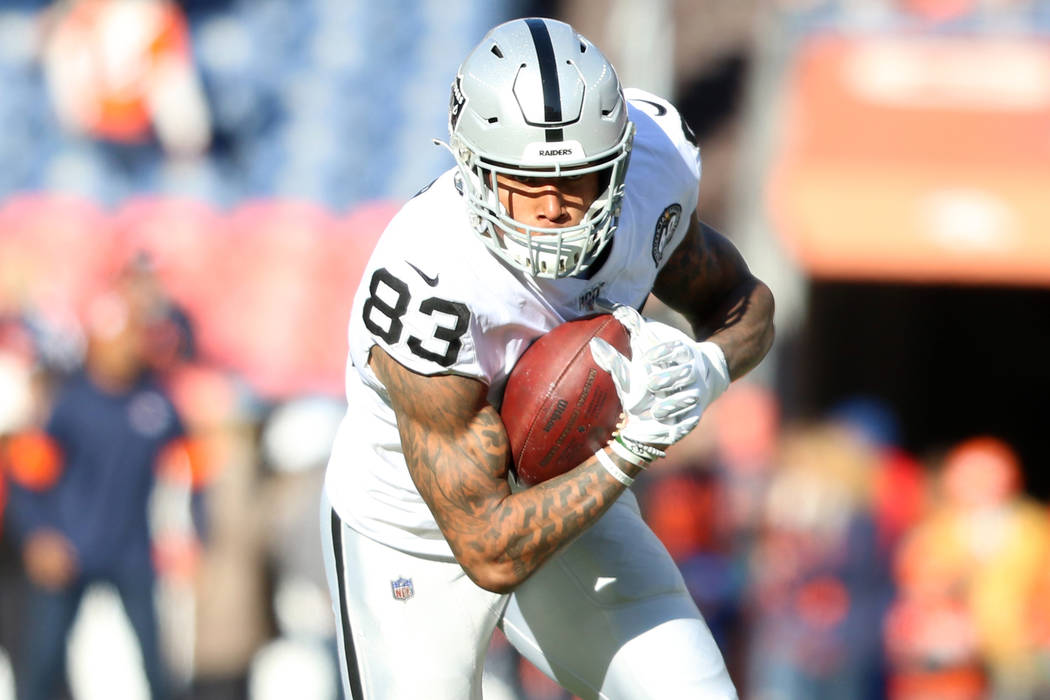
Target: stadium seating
(323, 113)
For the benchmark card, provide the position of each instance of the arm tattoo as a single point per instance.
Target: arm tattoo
(457, 452)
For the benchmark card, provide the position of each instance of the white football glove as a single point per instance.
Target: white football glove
(710, 372)
(665, 387)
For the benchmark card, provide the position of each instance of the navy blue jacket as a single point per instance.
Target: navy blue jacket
(110, 443)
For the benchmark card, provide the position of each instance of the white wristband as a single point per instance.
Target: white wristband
(718, 380)
(622, 451)
(610, 466)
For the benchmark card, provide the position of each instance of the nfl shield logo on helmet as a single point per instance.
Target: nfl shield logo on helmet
(402, 588)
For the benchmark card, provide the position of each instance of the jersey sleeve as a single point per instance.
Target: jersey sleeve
(416, 313)
(672, 123)
(673, 166)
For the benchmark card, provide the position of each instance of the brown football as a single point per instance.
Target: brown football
(559, 407)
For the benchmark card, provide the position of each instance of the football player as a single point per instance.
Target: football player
(568, 194)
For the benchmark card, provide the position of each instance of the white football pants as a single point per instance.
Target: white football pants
(609, 617)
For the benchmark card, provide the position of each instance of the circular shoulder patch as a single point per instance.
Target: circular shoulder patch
(665, 226)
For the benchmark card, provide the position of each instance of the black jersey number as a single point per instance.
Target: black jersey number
(376, 306)
(382, 317)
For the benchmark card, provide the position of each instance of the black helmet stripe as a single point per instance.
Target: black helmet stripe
(541, 37)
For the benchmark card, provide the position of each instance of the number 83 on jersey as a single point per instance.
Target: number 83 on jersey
(390, 303)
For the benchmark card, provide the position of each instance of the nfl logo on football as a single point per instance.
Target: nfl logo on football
(402, 588)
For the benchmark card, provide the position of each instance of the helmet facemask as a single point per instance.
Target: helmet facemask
(552, 252)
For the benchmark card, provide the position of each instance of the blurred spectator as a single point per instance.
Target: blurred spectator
(819, 587)
(16, 411)
(747, 434)
(899, 483)
(169, 335)
(978, 559)
(296, 440)
(705, 503)
(121, 71)
(685, 509)
(80, 493)
(231, 616)
(931, 637)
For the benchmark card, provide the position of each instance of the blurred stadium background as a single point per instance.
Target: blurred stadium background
(864, 516)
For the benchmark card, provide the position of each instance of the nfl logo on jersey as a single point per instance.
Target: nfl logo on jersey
(402, 588)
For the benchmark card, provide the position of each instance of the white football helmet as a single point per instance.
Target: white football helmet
(536, 99)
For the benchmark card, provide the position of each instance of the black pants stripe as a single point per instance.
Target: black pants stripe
(353, 674)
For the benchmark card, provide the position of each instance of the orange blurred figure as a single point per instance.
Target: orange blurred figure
(980, 554)
(981, 472)
(121, 71)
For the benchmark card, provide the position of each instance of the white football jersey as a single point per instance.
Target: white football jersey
(438, 301)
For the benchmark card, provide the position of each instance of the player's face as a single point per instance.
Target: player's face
(548, 202)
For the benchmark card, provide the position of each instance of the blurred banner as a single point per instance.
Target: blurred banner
(267, 286)
(917, 158)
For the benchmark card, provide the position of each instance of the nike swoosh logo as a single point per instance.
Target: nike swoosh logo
(660, 109)
(432, 281)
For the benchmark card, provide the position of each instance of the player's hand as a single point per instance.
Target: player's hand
(666, 346)
(652, 419)
(656, 392)
(666, 385)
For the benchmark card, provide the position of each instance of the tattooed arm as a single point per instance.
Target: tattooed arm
(707, 281)
(457, 453)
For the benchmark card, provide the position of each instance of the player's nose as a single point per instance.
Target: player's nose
(550, 205)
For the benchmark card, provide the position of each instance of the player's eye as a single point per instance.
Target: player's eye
(539, 181)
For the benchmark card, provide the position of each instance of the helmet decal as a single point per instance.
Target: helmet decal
(455, 104)
(548, 65)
